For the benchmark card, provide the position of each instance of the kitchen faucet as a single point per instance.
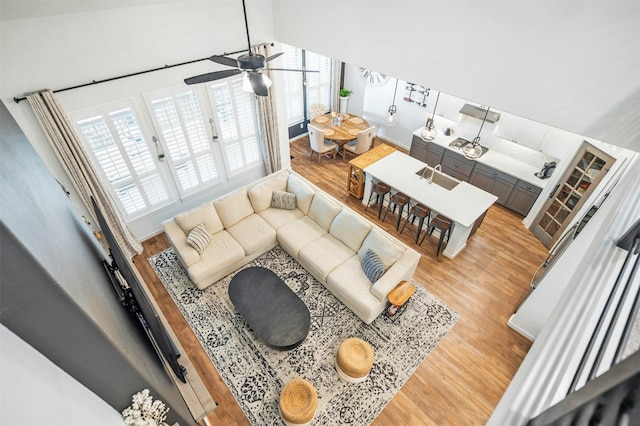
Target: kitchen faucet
(430, 178)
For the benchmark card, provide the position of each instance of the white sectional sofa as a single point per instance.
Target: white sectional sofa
(327, 238)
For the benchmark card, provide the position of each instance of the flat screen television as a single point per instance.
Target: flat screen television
(132, 296)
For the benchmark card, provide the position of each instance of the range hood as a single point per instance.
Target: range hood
(477, 112)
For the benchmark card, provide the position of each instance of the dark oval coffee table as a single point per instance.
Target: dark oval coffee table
(274, 312)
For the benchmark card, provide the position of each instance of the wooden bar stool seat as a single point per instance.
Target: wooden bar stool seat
(400, 200)
(421, 212)
(380, 190)
(444, 225)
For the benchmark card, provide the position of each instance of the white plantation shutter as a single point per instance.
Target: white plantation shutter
(293, 86)
(318, 84)
(118, 146)
(179, 118)
(235, 111)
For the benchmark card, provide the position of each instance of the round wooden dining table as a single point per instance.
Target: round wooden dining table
(348, 131)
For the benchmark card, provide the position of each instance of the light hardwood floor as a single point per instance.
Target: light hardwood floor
(462, 380)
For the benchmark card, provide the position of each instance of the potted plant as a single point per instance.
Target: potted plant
(344, 99)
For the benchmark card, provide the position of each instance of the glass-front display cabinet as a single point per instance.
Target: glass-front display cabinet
(579, 181)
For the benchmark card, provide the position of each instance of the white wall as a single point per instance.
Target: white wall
(571, 65)
(33, 390)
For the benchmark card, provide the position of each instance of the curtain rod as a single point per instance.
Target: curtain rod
(22, 98)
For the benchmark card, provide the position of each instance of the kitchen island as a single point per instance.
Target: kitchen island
(464, 204)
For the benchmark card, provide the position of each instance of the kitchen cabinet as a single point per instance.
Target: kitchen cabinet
(522, 197)
(493, 181)
(521, 131)
(574, 187)
(559, 143)
(426, 152)
(457, 165)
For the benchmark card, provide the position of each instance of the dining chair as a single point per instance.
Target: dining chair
(360, 145)
(319, 145)
(316, 110)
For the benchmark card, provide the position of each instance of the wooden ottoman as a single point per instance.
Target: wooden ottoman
(298, 402)
(354, 360)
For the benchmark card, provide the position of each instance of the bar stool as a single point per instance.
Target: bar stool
(421, 212)
(380, 190)
(397, 199)
(444, 225)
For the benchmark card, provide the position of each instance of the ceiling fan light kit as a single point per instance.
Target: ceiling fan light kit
(251, 64)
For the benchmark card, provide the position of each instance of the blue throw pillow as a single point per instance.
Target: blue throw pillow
(372, 266)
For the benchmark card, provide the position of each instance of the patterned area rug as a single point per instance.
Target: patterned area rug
(255, 373)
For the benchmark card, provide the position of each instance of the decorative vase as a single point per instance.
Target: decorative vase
(344, 100)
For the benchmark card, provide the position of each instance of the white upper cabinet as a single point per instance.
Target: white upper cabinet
(521, 131)
(559, 143)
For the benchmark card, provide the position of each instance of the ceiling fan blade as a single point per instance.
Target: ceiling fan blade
(274, 56)
(223, 60)
(211, 76)
(289, 69)
(257, 84)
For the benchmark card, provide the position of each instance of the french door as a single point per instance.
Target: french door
(579, 181)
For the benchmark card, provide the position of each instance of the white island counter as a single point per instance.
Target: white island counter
(464, 204)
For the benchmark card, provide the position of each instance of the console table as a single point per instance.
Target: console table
(355, 180)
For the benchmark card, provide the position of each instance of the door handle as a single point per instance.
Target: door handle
(214, 132)
(554, 191)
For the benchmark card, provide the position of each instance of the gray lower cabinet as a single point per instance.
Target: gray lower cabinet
(493, 181)
(522, 197)
(425, 151)
(456, 165)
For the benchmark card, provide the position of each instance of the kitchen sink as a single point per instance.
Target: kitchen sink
(439, 179)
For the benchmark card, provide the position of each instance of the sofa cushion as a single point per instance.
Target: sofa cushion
(385, 248)
(221, 252)
(253, 234)
(205, 214)
(323, 210)
(349, 283)
(324, 255)
(233, 207)
(283, 200)
(199, 238)
(304, 193)
(350, 228)
(260, 195)
(372, 266)
(279, 217)
(297, 234)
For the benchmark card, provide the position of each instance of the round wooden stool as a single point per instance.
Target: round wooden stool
(354, 360)
(298, 402)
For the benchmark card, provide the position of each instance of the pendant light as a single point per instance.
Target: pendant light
(429, 132)
(391, 120)
(474, 150)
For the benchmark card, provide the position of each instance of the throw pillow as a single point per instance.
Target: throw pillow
(372, 266)
(199, 238)
(283, 200)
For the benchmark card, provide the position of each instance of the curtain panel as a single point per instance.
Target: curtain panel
(68, 148)
(268, 121)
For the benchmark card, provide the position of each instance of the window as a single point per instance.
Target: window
(293, 85)
(178, 117)
(235, 111)
(318, 85)
(119, 147)
(205, 138)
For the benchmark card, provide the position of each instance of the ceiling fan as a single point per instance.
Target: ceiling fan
(251, 64)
